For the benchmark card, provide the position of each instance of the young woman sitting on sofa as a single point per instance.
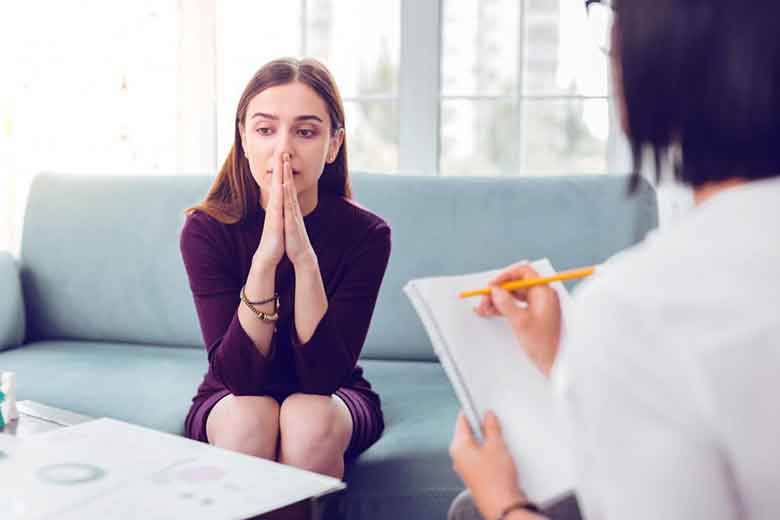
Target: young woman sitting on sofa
(669, 364)
(284, 270)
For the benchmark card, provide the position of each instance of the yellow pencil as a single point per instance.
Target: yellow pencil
(522, 284)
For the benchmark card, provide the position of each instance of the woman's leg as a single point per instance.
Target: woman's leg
(247, 424)
(315, 431)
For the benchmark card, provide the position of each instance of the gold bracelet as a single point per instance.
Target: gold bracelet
(264, 316)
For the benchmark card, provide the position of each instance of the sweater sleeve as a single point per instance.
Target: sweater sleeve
(325, 362)
(233, 358)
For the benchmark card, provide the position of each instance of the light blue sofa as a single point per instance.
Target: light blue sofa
(97, 316)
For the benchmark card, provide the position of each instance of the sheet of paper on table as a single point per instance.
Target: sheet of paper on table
(110, 469)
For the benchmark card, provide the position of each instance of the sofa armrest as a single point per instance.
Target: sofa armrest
(12, 318)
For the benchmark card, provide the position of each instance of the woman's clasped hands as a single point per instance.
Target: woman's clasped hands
(284, 231)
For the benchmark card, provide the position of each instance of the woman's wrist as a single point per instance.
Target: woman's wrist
(261, 280)
(263, 266)
(307, 264)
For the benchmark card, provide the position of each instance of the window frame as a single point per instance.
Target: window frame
(419, 96)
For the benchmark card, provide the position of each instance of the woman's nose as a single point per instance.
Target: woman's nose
(283, 146)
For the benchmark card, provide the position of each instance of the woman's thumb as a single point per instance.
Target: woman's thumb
(504, 302)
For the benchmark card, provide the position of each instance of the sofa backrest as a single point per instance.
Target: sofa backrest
(100, 254)
(100, 258)
(447, 226)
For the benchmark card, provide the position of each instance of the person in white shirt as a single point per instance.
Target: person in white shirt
(668, 367)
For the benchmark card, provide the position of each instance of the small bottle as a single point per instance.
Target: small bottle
(2, 398)
(8, 387)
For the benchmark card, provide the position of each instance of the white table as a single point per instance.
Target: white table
(38, 418)
(104, 468)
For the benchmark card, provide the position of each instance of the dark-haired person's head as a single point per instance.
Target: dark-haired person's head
(701, 77)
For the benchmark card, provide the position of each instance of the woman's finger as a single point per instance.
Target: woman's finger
(289, 213)
(481, 307)
(506, 304)
(463, 436)
(491, 426)
(289, 184)
(276, 176)
(519, 271)
(294, 203)
(486, 307)
(286, 169)
(276, 202)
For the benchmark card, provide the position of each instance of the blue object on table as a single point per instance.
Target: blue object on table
(2, 421)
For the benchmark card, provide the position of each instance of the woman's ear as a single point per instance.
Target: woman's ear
(335, 145)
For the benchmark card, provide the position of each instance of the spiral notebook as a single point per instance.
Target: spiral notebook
(489, 370)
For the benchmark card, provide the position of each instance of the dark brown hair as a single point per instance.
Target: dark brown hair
(235, 194)
(702, 77)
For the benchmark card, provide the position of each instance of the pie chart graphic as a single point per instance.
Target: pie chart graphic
(70, 474)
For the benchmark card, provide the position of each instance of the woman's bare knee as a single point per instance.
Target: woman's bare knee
(246, 424)
(314, 433)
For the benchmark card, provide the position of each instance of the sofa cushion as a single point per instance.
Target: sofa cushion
(408, 472)
(100, 259)
(146, 385)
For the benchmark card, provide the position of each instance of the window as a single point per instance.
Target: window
(522, 90)
(86, 87)
(93, 98)
(359, 41)
(448, 87)
(452, 87)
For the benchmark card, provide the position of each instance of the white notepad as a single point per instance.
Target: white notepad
(489, 371)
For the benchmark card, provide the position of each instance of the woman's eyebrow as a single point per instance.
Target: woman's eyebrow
(264, 115)
(308, 117)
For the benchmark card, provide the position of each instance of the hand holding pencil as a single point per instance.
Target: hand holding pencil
(537, 326)
(523, 283)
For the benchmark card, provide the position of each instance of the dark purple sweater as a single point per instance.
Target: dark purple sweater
(353, 248)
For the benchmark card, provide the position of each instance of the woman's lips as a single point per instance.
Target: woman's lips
(270, 172)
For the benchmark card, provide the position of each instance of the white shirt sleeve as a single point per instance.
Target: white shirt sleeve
(642, 447)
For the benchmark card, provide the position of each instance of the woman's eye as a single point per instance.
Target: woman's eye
(264, 131)
(305, 132)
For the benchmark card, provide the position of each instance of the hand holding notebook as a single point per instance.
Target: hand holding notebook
(490, 371)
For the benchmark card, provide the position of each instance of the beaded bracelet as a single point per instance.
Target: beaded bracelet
(259, 314)
(261, 302)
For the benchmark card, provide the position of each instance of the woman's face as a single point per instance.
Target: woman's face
(290, 118)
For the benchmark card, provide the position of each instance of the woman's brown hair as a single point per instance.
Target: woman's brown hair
(235, 194)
